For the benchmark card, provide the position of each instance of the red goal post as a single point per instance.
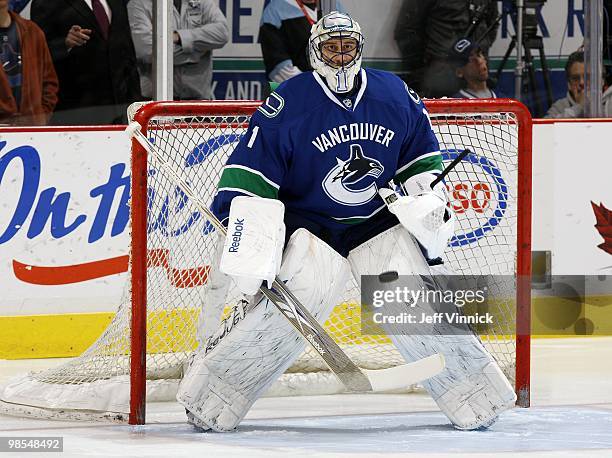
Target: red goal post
(449, 111)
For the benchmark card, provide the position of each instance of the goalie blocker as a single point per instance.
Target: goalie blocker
(254, 243)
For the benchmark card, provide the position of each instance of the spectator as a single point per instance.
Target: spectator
(28, 83)
(284, 33)
(472, 69)
(94, 56)
(572, 105)
(199, 27)
(427, 29)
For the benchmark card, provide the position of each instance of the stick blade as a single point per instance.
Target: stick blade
(400, 377)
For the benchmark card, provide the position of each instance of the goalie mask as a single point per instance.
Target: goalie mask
(335, 50)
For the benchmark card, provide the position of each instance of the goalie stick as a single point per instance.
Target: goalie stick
(450, 167)
(392, 198)
(353, 378)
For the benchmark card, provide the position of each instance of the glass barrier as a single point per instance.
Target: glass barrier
(468, 53)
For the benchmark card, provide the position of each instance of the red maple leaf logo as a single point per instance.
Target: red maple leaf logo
(604, 226)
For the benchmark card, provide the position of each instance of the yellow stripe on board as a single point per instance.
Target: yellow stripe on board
(50, 336)
(68, 335)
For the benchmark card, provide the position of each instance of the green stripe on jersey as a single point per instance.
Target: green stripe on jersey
(250, 182)
(426, 164)
(351, 221)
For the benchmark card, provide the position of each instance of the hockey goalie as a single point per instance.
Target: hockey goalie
(306, 197)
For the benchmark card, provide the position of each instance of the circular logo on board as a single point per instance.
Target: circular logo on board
(478, 195)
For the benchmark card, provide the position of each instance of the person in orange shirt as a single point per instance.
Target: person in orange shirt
(28, 93)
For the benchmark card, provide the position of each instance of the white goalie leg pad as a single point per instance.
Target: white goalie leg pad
(472, 390)
(213, 302)
(255, 346)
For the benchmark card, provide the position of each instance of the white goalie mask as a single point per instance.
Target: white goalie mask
(335, 50)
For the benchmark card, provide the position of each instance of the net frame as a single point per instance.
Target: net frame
(138, 248)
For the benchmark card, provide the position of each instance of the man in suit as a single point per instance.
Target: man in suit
(93, 53)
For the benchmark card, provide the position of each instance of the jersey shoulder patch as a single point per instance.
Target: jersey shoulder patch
(291, 101)
(413, 95)
(272, 106)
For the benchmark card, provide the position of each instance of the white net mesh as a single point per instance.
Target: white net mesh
(181, 247)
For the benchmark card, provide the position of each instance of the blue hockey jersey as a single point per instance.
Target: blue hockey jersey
(325, 156)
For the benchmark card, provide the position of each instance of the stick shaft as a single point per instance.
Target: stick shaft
(450, 167)
(338, 362)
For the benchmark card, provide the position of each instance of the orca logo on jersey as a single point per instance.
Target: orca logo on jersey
(341, 183)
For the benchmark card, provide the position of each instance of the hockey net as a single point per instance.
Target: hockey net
(164, 310)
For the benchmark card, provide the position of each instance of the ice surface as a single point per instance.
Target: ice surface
(572, 416)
